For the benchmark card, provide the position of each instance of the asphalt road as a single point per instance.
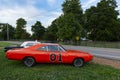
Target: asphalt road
(110, 53)
(99, 52)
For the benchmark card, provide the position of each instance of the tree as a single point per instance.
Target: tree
(68, 27)
(70, 23)
(91, 22)
(4, 32)
(1, 31)
(38, 30)
(51, 31)
(21, 24)
(25, 35)
(74, 7)
(102, 22)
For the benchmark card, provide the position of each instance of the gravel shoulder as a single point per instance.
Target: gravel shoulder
(109, 62)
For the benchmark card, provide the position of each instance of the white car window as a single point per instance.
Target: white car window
(30, 44)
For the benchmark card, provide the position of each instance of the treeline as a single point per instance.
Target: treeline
(20, 33)
(98, 23)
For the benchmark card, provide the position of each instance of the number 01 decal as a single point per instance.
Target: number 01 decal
(53, 57)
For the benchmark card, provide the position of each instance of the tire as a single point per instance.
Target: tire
(29, 61)
(78, 62)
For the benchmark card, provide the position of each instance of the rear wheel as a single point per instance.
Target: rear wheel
(29, 61)
(78, 62)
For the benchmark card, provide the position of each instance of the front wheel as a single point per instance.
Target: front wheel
(78, 62)
(29, 61)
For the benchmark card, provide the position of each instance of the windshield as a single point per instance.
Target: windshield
(27, 43)
(63, 48)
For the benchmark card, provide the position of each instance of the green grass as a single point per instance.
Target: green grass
(101, 44)
(95, 44)
(15, 70)
(4, 44)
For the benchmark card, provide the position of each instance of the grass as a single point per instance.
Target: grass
(101, 44)
(3, 44)
(96, 44)
(15, 70)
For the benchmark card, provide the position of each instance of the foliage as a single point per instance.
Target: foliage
(7, 29)
(25, 35)
(38, 30)
(21, 23)
(70, 23)
(68, 27)
(51, 32)
(74, 7)
(101, 21)
(20, 32)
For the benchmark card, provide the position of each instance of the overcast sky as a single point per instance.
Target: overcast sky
(44, 11)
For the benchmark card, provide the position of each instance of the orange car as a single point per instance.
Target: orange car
(49, 53)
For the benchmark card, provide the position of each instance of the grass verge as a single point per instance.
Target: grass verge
(94, 44)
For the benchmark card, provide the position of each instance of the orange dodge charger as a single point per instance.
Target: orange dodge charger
(49, 53)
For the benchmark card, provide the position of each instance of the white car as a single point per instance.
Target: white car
(29, 43)
(23, 45)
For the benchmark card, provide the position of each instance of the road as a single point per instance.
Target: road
(100, 52)
(110, 53)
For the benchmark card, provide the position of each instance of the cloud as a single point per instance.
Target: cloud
(11, 14)
(88, 3)
(28, 11)
(51, 2)
(45, 19)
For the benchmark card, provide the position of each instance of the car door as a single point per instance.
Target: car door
(42, 55)
(63, 55)
(49, 54)
(56, 54)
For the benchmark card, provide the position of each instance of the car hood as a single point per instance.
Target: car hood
(76, 51)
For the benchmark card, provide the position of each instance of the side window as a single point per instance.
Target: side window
(52, 48)
(29, 44)
(44, 48)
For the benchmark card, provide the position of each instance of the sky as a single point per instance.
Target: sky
(44, 11)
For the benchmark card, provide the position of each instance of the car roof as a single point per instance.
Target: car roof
(50, 43)
(42, 44)
(31, 42)
(45, 44)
